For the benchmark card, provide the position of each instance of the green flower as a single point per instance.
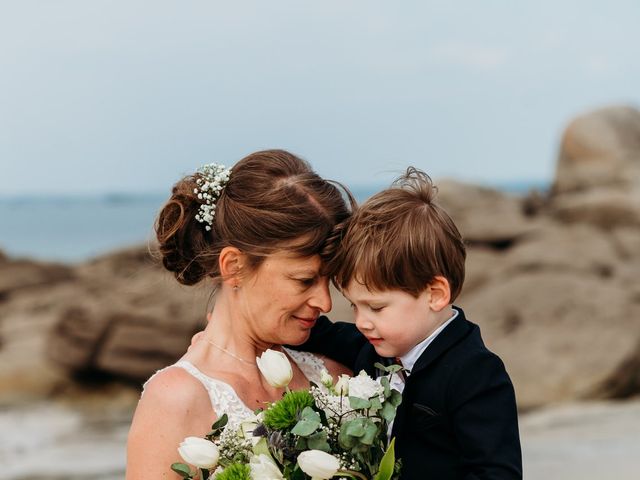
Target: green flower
(285, 413)
(235, 471)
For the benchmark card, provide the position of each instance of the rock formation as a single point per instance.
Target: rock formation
(551, 279)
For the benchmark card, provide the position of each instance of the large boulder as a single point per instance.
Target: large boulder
(604, 207)
(599, 149)
(143, 323)
(16, 275)
(484, 215)
(562, 334)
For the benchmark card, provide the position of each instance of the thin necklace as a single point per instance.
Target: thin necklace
(229, 353)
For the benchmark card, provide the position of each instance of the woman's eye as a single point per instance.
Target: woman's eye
(307, 282)
(353, 307)
(375, 309)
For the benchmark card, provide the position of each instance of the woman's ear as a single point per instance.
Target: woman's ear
(439, 293)
(230, 262)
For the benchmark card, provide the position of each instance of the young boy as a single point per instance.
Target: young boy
(401, 266)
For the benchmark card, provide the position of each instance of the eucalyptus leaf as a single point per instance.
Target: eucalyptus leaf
(355, 428)
(380, 366)
(301, 444)
(181, 469)
(318, 441)
(359, 403)
(310, 414)
(388, 412)
(304, 428)
(375, 405)
(370, 433)
(345, 440)
(395, 399)
(384, 381)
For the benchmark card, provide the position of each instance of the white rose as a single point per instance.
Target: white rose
(363, 386)
(275, 368)
(318, 464)
(342, 385)
(199, 452)
(263, 468)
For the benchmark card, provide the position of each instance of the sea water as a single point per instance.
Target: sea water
(72, 229)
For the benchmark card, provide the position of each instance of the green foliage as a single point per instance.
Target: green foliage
(235, 471)
(217, 427)
(387, 464)
(284, 413)
(308, 424)
(318, 441)
(181, 469)
(359, 403)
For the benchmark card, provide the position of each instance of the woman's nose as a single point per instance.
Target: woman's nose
(321, 298)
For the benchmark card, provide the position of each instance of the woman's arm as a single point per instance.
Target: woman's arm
(174, 405)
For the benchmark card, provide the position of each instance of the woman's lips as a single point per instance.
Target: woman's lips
(307, 322)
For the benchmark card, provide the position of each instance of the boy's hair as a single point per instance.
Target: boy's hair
(401, 239)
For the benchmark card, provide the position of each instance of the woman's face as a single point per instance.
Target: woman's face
(282, 299)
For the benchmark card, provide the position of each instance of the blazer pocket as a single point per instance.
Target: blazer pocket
(423, 416)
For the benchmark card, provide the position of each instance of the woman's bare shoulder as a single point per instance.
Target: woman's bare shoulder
(172, 399)
(174, 405)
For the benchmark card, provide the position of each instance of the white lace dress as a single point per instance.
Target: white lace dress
(224, 398)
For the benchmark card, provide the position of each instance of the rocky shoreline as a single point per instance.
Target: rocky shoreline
(551, 280)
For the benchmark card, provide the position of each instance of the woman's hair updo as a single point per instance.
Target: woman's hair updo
(272, 201)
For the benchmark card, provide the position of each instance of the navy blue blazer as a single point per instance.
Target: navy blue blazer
(458, 417)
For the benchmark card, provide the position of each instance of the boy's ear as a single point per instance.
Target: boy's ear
(230, 262)
(439, 293)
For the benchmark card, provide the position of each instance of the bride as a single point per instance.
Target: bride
(260, 232)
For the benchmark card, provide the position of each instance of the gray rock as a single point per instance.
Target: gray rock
(599, 149)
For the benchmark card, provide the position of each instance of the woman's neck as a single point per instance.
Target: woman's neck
(229, 332)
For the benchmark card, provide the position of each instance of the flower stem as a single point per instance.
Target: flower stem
(351, 473)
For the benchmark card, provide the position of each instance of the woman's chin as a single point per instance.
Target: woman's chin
(297, 338)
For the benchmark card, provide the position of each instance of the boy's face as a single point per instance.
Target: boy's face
(392, 320)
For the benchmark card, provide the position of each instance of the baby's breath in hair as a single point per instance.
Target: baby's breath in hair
(213, 177)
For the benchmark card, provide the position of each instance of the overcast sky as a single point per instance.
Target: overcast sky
(100, 96)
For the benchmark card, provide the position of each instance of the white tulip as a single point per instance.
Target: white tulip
(199, 452)
(263, 468)
(342, 385)
(318, 464)
(275, 368)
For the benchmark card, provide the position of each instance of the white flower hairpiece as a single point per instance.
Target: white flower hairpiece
(213, 178)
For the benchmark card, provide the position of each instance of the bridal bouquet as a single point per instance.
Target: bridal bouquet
(331, 430)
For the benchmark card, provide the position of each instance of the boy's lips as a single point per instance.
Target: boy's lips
(374, 340)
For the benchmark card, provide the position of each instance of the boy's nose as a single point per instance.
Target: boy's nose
(362, 323)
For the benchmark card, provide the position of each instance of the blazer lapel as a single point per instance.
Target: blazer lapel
(452, 334)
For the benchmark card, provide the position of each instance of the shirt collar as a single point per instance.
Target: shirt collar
(410, 358)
